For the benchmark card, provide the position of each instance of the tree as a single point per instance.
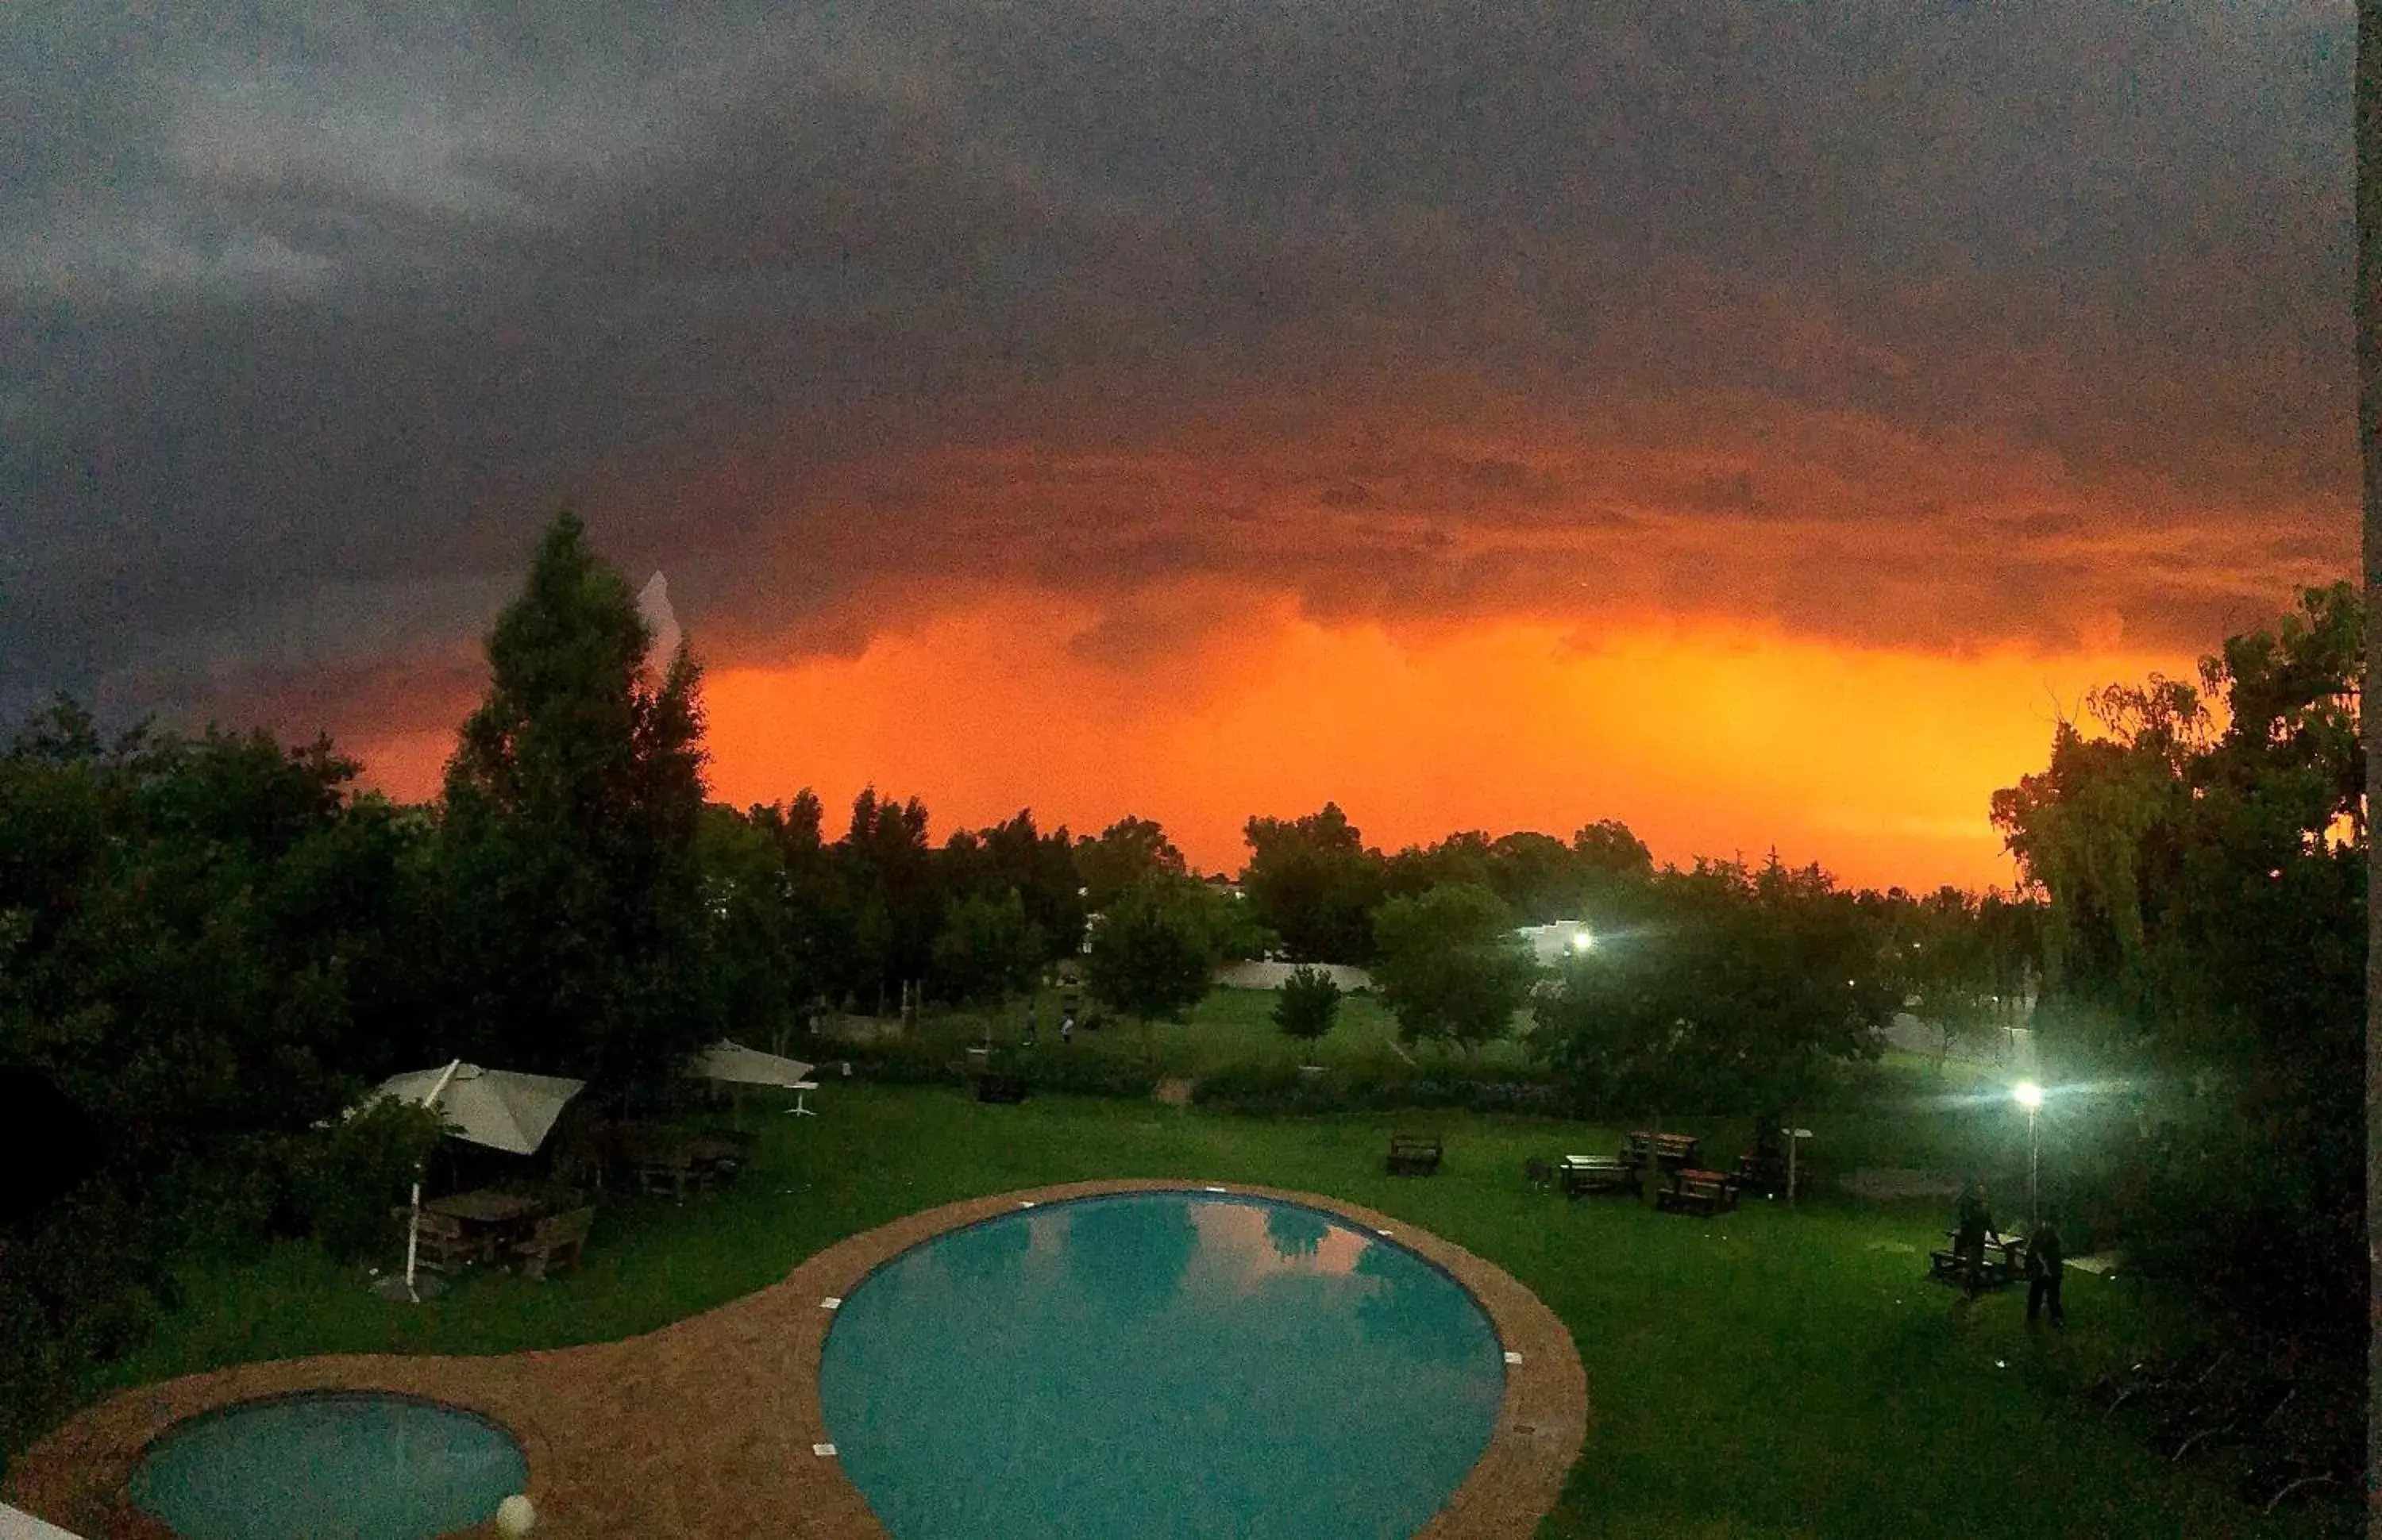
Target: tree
(1314, 884)
(1449, 965)
(1941, 948)
(756, 974)
(1307, 1004)
(1459, 858)
(989, 949)
(890, 873)
(575, 914)
(1153, 952)
(1736, 997)
(2205, 928)
(1539, 877)
(1124, 853)
(206, 944)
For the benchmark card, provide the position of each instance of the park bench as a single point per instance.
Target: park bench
(1672, 1152)
(1692, 1192)
(1413, 1155)
(556, 1237)
(1005, 1089)
(1763, 1170)
(1586, 1175)
(440, 1243)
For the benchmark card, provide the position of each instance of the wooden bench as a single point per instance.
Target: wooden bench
(1584, 1176)
(672, 1174)
(1763, 1170)
(1672, 1152)
(1413, 1155)
(1692, 1192)
(441, 1241)
(999, 1088)
(557, 1237)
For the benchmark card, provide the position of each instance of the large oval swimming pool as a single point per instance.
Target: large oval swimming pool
(333, 1465)
(1156, 1364)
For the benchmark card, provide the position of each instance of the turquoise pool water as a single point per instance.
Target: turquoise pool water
(1159, 1365)
(337, 1466)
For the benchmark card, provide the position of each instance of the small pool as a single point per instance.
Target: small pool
(1156, 1364)
(337, 1465)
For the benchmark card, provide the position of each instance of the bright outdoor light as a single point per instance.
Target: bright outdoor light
(2029, 1094)
(1582, 942)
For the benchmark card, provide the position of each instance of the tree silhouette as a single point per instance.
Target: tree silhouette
(568, 845)
(1295, 1232)
(1130, 1253)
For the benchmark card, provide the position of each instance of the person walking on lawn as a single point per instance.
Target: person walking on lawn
(1976, 1222)
(2044, 1263)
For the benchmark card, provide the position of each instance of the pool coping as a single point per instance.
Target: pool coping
(707, 1425)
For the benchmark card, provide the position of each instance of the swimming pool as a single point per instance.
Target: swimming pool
(1160, 1364)
(333, 1465)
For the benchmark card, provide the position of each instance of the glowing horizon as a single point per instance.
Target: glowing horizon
(1706, 739)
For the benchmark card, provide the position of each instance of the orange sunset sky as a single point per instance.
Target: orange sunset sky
(1755, 422)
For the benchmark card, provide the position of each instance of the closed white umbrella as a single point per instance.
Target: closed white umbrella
(734, 1064)
(738, 1064)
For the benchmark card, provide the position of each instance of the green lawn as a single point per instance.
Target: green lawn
(1771, 1373)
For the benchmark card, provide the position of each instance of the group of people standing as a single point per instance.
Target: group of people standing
(1034, 1025)
(2047, 1260)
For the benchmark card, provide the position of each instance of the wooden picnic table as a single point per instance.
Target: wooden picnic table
(1693, 1192)
(490, 1217)
(1584, 1174)
(709, 1149)
(1669, 1150)
(1946, 1264)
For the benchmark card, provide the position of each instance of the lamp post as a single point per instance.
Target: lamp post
(2030, 1096)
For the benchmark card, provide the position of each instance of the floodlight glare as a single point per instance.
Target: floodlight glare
(1582, 942)
(2029, 1094)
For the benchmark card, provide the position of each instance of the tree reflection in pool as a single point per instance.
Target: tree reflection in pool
(1159, 1365)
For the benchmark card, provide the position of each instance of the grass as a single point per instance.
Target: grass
(1771, 1374)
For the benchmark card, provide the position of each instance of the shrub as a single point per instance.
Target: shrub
(902, 1061)
(1279, 1089)
(1084, 1074)
(82, 1288)
(346, 1176)
(1307, 1004)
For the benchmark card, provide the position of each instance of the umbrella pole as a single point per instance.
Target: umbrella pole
(413, 1239)
(414, 1231)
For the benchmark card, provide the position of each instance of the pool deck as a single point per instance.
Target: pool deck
(706, 1427)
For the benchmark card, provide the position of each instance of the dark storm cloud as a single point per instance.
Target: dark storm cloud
(307, 316)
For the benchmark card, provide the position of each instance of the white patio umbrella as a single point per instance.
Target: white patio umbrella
(733, 1064)
(503, 1109)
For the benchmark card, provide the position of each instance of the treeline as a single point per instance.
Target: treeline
(211, 945)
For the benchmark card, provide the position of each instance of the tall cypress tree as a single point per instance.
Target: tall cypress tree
(574, 910)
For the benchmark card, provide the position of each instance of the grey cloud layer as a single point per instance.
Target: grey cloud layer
(316, 304)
